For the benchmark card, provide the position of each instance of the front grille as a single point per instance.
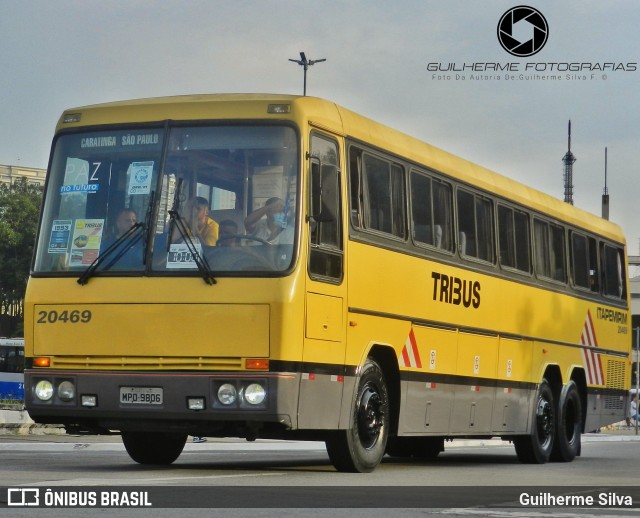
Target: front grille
(145, 363)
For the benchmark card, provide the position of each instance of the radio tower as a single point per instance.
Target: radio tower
(605, 193)
(568, 160)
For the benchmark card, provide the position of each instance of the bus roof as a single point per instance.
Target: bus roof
(333, 117)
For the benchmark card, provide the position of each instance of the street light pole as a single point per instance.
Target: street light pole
(306, 63)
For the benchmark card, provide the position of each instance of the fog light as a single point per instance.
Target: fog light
(195, 403)
(44, 390)
(89, 400)
(255, 394)
(227, 394)
(66, 391)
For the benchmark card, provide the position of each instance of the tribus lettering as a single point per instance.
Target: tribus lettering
(454, 290)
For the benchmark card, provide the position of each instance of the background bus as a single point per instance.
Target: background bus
(341, 282)
(11, 370)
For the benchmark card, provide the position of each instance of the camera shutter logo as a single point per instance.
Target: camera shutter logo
(523, 31)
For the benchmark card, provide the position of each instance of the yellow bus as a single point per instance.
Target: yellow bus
(272, 266)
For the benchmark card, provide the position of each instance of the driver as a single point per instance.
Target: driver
(269, 222)
(227, 232)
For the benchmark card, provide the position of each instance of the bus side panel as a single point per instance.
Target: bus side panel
(605, 406)
(473, 404)
(514, 394)
(426, 402)
(323, 372)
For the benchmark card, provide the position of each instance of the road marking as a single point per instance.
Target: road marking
(142, 481)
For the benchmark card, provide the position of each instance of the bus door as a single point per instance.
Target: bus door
(325, 312)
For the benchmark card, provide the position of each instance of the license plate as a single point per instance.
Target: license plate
(141, 395)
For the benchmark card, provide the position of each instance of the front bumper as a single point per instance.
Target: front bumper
(157, 401)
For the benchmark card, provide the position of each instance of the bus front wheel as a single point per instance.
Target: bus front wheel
(160, 448)
(361, 448)
(537, 447)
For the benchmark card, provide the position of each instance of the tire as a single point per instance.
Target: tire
(416, 447)
(537, 447)
(154, 448)
(361, 448)
(568, 424)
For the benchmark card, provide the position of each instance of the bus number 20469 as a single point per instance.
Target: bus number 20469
(72, 317)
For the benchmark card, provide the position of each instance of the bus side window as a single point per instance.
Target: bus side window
(355, 191)
(549, 253)
(613, 274)
(475, 221)
(325, 230)
(431, 211)
(383, 195)
(513, 238)
(584, 261)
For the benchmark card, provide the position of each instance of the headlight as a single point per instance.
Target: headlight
(44, 390)
(66, 391)
(227, 394)
(255, 394)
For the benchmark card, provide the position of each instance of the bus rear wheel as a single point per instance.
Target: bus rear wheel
(537, 447)
(568, 424)
(159, 448)
(361, 448)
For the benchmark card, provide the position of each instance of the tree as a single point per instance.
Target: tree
(19, 208)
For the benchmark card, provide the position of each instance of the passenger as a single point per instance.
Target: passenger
(273, 228)
(227, 229)
(199, 224)
(125, 220)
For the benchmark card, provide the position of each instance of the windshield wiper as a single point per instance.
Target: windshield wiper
(129, 238)
(200, 260)
(147, 223)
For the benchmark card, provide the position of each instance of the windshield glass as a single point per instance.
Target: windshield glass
(225, 201)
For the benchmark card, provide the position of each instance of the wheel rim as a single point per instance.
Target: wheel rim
(544, 422)
(370, 416)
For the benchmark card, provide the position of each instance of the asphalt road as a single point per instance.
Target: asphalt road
(276, 478)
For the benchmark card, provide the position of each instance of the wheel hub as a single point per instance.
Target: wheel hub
(544, 420)
(370, 417)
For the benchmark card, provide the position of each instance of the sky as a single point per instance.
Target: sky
(65, 53)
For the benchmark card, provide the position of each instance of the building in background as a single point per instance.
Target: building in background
(10, 173)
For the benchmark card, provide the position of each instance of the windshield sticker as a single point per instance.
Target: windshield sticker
(140, 174)
(179, 256)
(76, 177)
(87, 187)
(85, 244)
(59, 239)
(76, 171)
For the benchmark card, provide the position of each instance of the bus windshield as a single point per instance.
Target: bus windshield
(169, 200)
